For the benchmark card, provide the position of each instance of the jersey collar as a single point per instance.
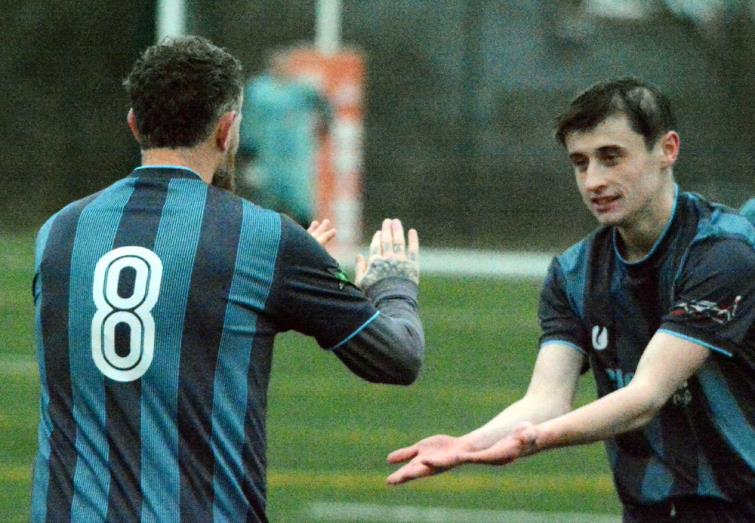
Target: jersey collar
(659, 243)
(166, 171)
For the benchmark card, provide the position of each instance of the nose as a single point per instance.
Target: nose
(592, 178)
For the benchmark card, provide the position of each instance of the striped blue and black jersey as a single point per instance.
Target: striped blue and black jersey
(697, 283)
(157, 302)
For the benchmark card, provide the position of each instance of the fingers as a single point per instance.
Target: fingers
(410, 471)
(443, 460)
(375, 245)
(413, 251)
(323, 231)
(393, 241)
(326, 236)
(387, 237)
(397, 230)
(404, 454)
(360, 269)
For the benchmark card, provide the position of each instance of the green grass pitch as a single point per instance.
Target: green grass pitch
(329, 432)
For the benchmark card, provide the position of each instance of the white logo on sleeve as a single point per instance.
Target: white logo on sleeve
(599, 337)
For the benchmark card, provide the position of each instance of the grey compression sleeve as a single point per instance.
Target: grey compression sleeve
(389, 349)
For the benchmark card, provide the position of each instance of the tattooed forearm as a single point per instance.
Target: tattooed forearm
(380, 269)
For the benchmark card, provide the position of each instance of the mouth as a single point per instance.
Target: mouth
(603, 204)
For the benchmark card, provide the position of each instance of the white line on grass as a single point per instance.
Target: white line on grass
(11, 364)
(461, 262)
(325, 511)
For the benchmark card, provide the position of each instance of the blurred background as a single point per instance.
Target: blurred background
(459, 102)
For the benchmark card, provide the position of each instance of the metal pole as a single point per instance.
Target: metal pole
(328, 26)
(171, 18)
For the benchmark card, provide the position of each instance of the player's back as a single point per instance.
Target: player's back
(154, 352)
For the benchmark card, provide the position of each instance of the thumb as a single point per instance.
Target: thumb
(360, 270)
(444, 460)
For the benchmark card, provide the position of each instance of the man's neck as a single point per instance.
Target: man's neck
(191, 158)
(640, 236)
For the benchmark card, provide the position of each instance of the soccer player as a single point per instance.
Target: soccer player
(284, 122)
(659, 301)
(157, 302)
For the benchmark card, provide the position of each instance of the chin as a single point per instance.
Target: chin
(609, 219)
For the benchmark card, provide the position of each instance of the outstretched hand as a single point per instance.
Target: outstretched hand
(427, 457)
(522, 441)
(439, 453)
(389, 255)
(323, 231)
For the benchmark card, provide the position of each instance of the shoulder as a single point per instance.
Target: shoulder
(748, 210)
(723, 244)
(569, 273)
(722, 238)
(299, 248)
(726, 255)
(574, 261)
(716, 221)
(72, 209)
(262, 221)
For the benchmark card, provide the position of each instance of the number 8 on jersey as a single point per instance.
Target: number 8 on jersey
(133, 311)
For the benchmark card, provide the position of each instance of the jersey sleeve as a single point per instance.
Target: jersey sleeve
(39, 249)
(559, 321)
(311, 294)
(714, 298)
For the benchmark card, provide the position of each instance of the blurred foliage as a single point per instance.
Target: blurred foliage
(461, 95)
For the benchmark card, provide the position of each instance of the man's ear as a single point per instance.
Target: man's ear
(223, 133)
(131, 119)
(669, 147)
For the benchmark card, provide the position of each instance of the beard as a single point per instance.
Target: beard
(225, 175)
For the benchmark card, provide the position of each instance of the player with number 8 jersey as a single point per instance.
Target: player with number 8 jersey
(157, 303)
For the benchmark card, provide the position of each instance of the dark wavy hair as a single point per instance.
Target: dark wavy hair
(179, 88)
(646, 107)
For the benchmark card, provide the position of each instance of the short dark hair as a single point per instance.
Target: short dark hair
(646, 107)
(179, 88)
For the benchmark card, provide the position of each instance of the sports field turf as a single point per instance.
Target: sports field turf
(329, 432)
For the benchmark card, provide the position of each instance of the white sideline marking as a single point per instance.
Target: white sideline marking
(17, 365)
(461, 262)
(323, 511)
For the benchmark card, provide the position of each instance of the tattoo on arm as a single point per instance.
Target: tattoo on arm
(381, 269)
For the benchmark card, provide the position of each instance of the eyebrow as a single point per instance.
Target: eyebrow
(610, 149)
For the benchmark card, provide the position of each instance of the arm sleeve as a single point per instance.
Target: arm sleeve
(389, 349)
(714, 299)
(558, 320)
(378, 335)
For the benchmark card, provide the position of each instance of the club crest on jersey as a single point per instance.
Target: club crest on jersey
(706, 310)
(599, 337)
(341, 276)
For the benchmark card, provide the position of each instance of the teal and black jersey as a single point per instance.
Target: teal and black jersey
(697, 283)
(157, 302)
(748, 210)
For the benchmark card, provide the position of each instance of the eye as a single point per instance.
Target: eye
(610, 158)
(580, 164)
